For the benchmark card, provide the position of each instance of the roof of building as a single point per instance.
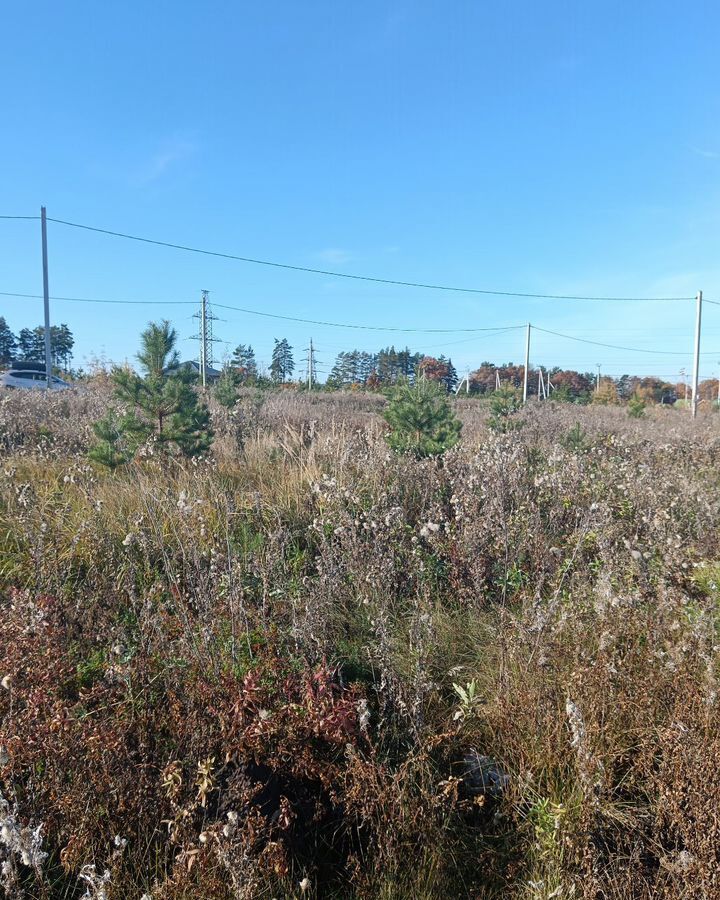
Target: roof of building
(195, 366)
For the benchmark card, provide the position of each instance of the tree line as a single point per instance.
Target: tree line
(386, 367)
(375, 370)
(29, 345)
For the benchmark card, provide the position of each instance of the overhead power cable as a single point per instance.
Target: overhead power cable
(256, 312)
(94, 300)
(570, 337)
(20, 217)
(334, 274)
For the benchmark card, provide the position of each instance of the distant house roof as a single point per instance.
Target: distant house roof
(210, 373)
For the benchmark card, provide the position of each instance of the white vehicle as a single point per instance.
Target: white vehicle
(32, 379)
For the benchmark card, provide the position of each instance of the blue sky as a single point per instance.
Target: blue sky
(524, 146)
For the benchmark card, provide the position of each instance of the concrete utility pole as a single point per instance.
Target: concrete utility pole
(527, 363)
(46, 297)
(465, 380)
(597, 380)
(497, 380)
(696, 358)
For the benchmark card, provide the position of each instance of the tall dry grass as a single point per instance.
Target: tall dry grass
(305, 666)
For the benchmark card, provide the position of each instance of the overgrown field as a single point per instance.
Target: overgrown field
(307, 666)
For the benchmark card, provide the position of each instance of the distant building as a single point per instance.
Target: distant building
(211, 374)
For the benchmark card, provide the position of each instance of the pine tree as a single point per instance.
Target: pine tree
(244, 362)
(8, 343)
(282, 365)
(226, 388)
(505, 403)
(61, 344)
(420, 419)
(451, 378)
(31, 344)
(163, 405)
(338, 373)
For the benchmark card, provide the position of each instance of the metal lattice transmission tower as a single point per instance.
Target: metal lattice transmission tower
(311, 369)
(205, 336)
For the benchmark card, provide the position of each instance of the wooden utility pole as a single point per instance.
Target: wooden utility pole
(527, 363)
(46, 297)
(696, 358)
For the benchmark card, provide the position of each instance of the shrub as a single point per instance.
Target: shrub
(505, 403)
(420, 419)
(575, 440)
(226, 389)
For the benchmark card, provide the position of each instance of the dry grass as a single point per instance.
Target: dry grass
(244, 667)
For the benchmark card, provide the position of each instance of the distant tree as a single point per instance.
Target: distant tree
(162, 405)
(625, 387)
(8, 343)
(31, 343)
(484, 379)
(451, 378)
(434, 369)
(392, 365)
(61, 345)
(420, 419)
(651, 389)
(707, 390)
(352, 367)
(570, 386)
(244, 362)
(226, 387)
(606, 394)
(282, 365)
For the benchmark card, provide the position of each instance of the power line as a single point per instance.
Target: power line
(255, 312)
(94, 300)
(488, 332)
(333, 274)
(569, 337)
(20, 217)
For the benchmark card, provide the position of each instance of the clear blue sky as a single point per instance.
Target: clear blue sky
(527, 146)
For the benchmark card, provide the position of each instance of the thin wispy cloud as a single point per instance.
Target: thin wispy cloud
(706, 154)
(164, 160)
(142, 163)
